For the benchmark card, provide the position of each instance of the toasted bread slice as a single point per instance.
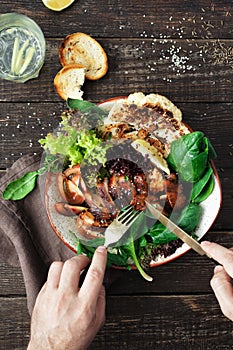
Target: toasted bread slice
(82, 49)
(69, 80)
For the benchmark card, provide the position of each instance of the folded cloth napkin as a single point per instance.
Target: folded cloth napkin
(27, 239)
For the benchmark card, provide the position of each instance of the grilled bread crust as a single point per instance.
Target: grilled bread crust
(80, 48)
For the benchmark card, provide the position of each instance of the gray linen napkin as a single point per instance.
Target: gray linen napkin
(26, 237)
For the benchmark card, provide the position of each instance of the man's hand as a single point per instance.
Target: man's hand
(66, 317)
(221, 281)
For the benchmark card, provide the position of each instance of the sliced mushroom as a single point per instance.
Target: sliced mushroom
(72, 171)
(60, 178)
(76, 179)
(84, 222)
(68, 210)
(73, 194)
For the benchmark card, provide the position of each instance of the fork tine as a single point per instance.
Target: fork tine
(125, 213)
(132, 218)
(128, 215)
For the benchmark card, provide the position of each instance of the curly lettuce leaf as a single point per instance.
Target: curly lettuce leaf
(75, 144)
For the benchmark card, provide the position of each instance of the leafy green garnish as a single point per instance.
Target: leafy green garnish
(189, 156)
(159, 234)
(19, 188)
(86, 107)
(188, 220)
(200, 187)
(189, 217)
(130, 249)
(76, 141)
(113, 258)
(135, 242)
(76, 144)
(206, 191)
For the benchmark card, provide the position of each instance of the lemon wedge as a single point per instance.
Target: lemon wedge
(154, 155)
(57, 5)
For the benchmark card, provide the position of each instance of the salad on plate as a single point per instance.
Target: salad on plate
(126, 151)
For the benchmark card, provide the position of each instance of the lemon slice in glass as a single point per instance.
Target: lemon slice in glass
(57, 5)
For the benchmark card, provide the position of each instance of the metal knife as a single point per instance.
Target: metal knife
(177, 230)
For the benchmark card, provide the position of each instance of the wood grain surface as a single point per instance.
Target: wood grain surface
(180, 49)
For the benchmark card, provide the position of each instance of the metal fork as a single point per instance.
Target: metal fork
(116, 230)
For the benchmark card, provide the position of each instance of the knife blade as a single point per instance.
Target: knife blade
(185, 237)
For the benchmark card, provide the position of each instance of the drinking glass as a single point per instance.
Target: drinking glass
(22, 47)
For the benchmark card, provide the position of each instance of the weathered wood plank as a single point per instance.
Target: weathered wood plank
(184, 70)
(176, 19)
(14, 324)
(12, 282)
(186, 322)
(192, 272)
(177, 322)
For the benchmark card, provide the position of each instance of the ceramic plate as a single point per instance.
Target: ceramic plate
(63, 226)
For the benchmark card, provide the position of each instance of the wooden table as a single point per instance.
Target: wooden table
(183, 50)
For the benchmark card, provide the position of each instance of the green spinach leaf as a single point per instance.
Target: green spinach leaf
(189, 217)
(189, 156)
(159, 234)
(199, 186)
(188, 143)
(188, 220)
(130, 249)
(19, 188)
(112, 259)
(86, 107)
(206, 191)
